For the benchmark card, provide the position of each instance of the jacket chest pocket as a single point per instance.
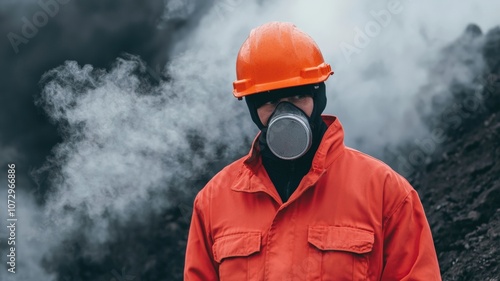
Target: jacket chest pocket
(235, 254)
(338, 253)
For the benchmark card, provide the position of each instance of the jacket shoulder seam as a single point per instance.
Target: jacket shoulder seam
(397, 208)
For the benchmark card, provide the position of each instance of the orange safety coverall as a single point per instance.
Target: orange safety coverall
(351, 218)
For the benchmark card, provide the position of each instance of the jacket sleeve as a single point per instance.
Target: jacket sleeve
(199, 263)
(409, 252)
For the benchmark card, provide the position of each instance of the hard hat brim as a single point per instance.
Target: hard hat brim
(311, 75)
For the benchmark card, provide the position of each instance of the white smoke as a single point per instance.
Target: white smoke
(126, 142)
(378, 79)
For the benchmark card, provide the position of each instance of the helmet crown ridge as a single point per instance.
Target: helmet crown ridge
(278, 55)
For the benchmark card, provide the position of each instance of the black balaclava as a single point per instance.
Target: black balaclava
(287, 174)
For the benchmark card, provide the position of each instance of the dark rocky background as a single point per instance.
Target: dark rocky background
(460, 188)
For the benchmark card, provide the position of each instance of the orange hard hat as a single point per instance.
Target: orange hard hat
(278, 55)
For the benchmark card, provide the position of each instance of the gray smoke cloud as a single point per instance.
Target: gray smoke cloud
(382, 70)
(382, 52)
(129, 147)
(122, 142)
(124, 146)
(38, 35)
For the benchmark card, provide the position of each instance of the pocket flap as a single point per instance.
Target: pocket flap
(340, 238)
(240, 244)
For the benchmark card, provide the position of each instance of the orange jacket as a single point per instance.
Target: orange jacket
(350, 218)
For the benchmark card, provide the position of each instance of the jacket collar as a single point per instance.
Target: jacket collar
(254, 177)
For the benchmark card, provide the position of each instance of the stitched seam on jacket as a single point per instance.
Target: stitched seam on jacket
(397, 208)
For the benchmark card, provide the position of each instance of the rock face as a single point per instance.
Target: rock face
(461, 196)
(460, 189)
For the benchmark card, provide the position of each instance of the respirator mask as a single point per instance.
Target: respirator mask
(289, 135)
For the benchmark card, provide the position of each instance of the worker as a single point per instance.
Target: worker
(301, 205)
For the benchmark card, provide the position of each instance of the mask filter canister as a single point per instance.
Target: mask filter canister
(289, 135)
